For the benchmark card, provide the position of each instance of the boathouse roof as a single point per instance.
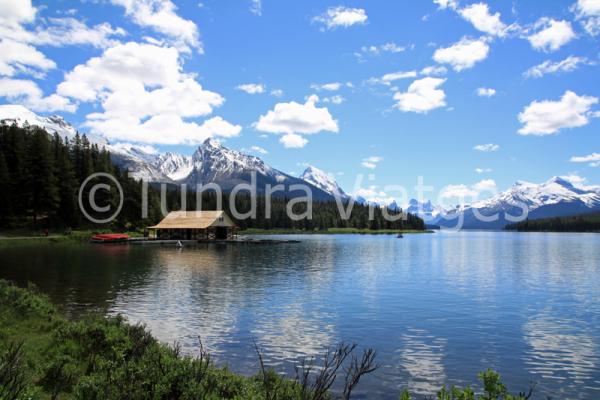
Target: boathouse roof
(194, 220)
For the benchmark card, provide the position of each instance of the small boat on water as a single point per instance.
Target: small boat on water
(109, 238)
(400, 236)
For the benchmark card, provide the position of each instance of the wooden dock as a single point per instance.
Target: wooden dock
(172, 242)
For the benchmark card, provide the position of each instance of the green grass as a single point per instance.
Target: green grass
(331, 231)
(23, 236)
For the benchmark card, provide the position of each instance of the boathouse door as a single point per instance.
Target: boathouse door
(221, 233)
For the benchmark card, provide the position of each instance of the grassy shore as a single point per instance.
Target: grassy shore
(330, 231)
(22, 236)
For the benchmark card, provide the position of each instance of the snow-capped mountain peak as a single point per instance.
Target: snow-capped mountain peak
(322, 180)
(20, 115)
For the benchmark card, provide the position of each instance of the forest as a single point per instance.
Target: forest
(40, 177)
(576, 223)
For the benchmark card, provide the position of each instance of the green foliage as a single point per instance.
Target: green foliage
(575, 223)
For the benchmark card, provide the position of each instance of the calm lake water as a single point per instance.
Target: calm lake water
(438, 307)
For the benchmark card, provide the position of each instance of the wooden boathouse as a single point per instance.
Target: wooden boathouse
(194, 225)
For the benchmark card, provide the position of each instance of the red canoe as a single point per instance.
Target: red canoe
(109, 238)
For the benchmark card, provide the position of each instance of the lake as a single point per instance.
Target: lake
(438, 308)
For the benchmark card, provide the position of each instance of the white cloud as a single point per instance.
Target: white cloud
(145, 96)
(485, 92)
(588, 13)
(13, 13)
(569, 64)
(473, 191)
(371, 162)
(422, 96)
(341, 17)
(256, 7)
(434, 70)
(18, 57)
(276, 92)
(443, 4)
(69, 31)
(332, 86)
(293, 119)
(337, 99)
(479, 15)
(486, 185)
(293, 141)
(28, 93)
(551, 34)
(593, 159)
(374, 50)
(463, 54)
(258, 149)
(161, 16)
(487, 147)
(252, 88)
(548, 117)
(483, 170)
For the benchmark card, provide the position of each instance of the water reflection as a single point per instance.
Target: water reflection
(422, 355)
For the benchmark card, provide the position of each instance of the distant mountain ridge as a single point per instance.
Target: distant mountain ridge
(556, 197)
(214, 163)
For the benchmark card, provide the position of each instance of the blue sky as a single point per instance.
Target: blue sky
(394, 89)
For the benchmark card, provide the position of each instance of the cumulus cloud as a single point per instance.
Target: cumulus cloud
(434, 70)
(472, 192)
(463, 54)
(593, 159)
(485, 92)
(588, 13)
(276, 92)
(161, 16)
(341, 16)
(293, 141)
(371, 162)
(548, 117)
(422, 96)
(488, 147)
(483, 170)
(479, 15)
(16, 57)
(294, 119)
(27, 93)
(569, 64)
(550, 34)
(145, 96)
(252, 88)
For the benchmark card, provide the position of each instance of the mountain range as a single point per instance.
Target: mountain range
(214, 163)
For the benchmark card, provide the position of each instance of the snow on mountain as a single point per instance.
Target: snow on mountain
(556, 197)
(175, 166)
(13, 113)
(425, 210)
(323, 181)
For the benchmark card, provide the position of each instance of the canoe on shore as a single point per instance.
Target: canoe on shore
(109, 238)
